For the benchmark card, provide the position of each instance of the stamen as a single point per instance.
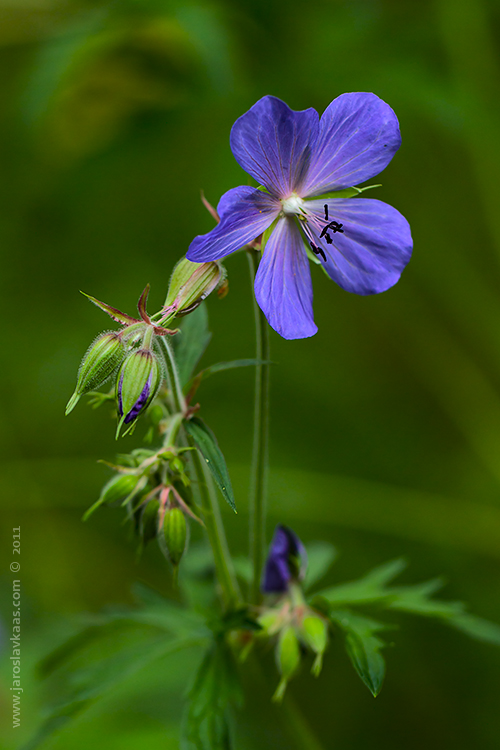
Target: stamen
(317, 250)
(326, 211)
(334, 226)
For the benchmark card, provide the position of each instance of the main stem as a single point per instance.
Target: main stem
(258, 482)
(208, 497)
(216, 534)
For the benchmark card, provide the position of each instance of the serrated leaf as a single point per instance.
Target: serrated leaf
(191, 342)
(371, 588)
(320, 557)
(215, 689)
(193, 384)
(416, 600)
(363, 647)
(207, 444)
(99, 658)
(476, 627)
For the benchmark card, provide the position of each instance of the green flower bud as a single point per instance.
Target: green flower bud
(149, 520)
(190, 284)
(103, 357)
(314, 632)
(175, 530)
(287, 658)
(137, 384)
(270, 622)
(118, 488)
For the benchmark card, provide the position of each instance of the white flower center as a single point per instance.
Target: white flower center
(293, 205)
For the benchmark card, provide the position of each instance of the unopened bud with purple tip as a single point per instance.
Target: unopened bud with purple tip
(102, 359)
(286, 561)
(138, 382)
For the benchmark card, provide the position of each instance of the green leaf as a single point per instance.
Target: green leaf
(347, 193)
(216, 688)
(193, 384)
(371, 588)
(416, 600)
(191, 342)
(363, 647)
(207, 444)
(476, 627)
(320, 557)
(103, 655)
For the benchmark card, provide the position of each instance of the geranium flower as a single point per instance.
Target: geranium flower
(300, 160)
(286, 561)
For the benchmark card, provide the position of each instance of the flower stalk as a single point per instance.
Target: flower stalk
(206, 491)
(258, 480)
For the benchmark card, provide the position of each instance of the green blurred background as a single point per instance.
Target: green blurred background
(385, 435)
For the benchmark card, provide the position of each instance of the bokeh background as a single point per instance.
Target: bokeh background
(385, 426)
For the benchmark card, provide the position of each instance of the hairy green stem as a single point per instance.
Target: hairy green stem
(206, 490)
(258, 481)
(174, 384)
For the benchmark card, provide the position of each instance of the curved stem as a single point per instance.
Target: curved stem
(206, 490)
(258, 481)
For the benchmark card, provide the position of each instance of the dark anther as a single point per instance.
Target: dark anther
(334, 226)
(317, 250)
(326, 211)
(328, 239)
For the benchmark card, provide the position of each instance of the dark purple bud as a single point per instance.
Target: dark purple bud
(287, 560)
(139, 404)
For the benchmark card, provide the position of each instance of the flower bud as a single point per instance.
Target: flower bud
(288, 659)
(149, 520)
(270, 621)
(175, 530)
(286, 561)
(138, 382)
(190, 284)
(314, 632)
(103, 357)
(118, 488)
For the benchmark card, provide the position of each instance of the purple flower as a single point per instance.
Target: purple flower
(301, 161)
(287, 559)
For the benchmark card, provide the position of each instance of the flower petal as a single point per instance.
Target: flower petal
(274, 144)
(232, 197)
(245, 213)
(358, 136)
(374, 248)
(283, 287)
